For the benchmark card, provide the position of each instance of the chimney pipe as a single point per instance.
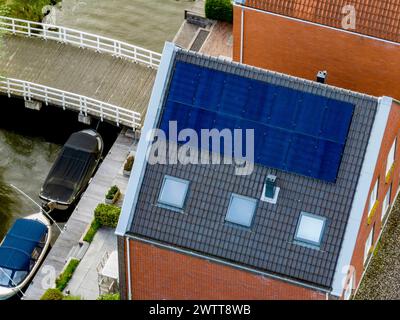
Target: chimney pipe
(321, 76)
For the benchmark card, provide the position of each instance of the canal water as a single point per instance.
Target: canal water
(146, 23)
(29, 144)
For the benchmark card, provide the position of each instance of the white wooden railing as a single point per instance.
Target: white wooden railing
(82, 39)
(67, 100)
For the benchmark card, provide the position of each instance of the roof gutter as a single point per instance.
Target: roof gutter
(227, 263)
(152, 116)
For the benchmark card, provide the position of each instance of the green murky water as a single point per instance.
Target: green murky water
(24, 162)
(146, 23)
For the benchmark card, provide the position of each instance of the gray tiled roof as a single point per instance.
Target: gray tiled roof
(269, 244)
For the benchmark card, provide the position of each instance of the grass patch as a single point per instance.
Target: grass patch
(92, 231)
(52, 294)
(63, 278)
(56, 294)
(114, 296)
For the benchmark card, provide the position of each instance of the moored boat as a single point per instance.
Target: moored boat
(21, 252)
(73, 169)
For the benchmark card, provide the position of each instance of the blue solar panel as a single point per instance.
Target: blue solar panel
(295, 131)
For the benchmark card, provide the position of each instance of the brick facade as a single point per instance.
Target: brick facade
(159, 273)
(392, 132)
(302, 49)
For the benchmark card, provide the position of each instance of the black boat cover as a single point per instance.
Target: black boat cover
(83, 142)
(69, 172)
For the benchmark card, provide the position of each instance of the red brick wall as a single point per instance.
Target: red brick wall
(164, 274)
(392, 131)
(301, 49)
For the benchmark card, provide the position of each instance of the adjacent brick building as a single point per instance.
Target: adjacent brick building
(302, 37)
(288, 230)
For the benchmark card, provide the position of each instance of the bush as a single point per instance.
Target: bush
(63, 278)
(107, 215)
(56, 294)
(129, 163)
(52, 294)
(221, 10)
(27, 9)
(112, 192)
(114, 296)
(92, 231)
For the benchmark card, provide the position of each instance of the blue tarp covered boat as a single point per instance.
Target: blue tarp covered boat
(21, 251)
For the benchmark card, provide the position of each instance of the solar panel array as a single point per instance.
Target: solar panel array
(294, 131)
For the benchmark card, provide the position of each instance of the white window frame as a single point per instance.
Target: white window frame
(169, 204)
(391, 156)
(238, 196)
(386, 202)
(368, 244)
(307, 241)
(374, 195)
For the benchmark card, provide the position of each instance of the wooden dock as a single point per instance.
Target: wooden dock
(109, 173)
(82, 71)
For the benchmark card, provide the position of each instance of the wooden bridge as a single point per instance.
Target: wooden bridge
(94, 75)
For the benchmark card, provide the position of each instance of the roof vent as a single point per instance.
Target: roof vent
(270, 191)
(321, 76)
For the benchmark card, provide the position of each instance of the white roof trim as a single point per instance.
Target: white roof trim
(139, 166)
(361, 195)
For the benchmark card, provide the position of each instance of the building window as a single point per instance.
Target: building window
(173, 192)
(310, 229)
(241, 210)
(386, 202)
(349, 289)
(391, 157)
(368, 244)
(374, 195)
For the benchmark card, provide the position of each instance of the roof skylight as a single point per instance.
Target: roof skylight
(241, 210)
(173, 192)
(310, 229)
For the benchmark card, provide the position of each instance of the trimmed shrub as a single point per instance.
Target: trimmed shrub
(221, 10)
(52, 294)
(114, 296)
(63, 278)
(107, 215)
(92, 231)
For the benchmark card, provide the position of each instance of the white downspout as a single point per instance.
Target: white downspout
(128, 256)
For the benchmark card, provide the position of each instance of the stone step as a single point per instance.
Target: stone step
(78, 251)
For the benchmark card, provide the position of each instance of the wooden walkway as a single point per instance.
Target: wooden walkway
(80, 71)
(109, 173)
